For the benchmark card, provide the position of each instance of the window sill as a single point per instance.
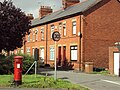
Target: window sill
(52, 60)
(73, 60)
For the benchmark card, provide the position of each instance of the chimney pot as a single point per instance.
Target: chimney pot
(44, 10)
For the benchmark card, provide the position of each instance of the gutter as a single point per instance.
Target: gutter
(58, 19)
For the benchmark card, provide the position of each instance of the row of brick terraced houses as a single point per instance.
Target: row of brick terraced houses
(87, 31)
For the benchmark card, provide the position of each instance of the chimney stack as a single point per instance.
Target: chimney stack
(30, 16)
(44, 10)
(67, 3)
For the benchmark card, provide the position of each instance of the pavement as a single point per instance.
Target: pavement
(91, 81)
(30, 89)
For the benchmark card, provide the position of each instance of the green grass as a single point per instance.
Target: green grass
(29, 81)
(5, 80)
(105, 72)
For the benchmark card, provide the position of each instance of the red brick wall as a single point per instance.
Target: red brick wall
(67, 41)
(111, 58)
(101, 30)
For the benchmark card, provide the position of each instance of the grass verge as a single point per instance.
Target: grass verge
(105, 72)
(29, 81)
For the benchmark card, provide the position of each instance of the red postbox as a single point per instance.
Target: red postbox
(18, 70)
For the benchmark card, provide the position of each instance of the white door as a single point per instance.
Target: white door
(42, 54)
(116, 63)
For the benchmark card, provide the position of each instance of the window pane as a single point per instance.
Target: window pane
(28, 51)
(74, 27)
(64, 29)
(52, 53)
(52, 30)
(29, 38)
(73, 54)
(42, 34)
(60, 28)
(36, 34)
(33, 37)
(73, 50)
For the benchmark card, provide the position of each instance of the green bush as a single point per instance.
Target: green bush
(7, 63)
(27, 62)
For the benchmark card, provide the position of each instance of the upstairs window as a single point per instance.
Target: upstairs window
(33, 36)
(64, 29)
(42, 33)
(28, 39)
(36, 35)
(60, 28)
(74, 28)
(52, 30)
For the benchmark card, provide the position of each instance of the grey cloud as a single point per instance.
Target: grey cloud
(32, 6)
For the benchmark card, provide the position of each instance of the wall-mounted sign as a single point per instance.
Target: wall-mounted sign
(56, 36)
(18, 65)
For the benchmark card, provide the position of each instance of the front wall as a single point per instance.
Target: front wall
(67, 41)
(36, 44)
(101, 30)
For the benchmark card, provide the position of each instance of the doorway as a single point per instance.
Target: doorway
(64, 53)
(116, 63)
(41, 55)
(59, 56)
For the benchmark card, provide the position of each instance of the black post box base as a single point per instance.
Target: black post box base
(17, 83)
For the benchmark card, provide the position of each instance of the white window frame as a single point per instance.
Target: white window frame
(52, 53)
(74, 27)
(60, 28)
(42, 33)
(73, 53)
(28, 51)
(64, 29)
(52, 30)
(28, 38)
(36, 34)
(33, 36)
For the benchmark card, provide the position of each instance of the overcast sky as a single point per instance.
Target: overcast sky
(32, 6)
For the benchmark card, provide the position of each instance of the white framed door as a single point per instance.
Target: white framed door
(116, 63)
(41, 54)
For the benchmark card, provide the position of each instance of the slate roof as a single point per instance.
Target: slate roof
(72, 10)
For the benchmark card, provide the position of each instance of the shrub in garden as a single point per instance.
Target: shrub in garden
(27, 62)
(7, 64)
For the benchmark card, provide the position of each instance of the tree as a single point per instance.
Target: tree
(14, 25)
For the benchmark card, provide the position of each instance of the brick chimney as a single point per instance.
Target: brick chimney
(67, 3)
(44, 10)
(30, 16)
